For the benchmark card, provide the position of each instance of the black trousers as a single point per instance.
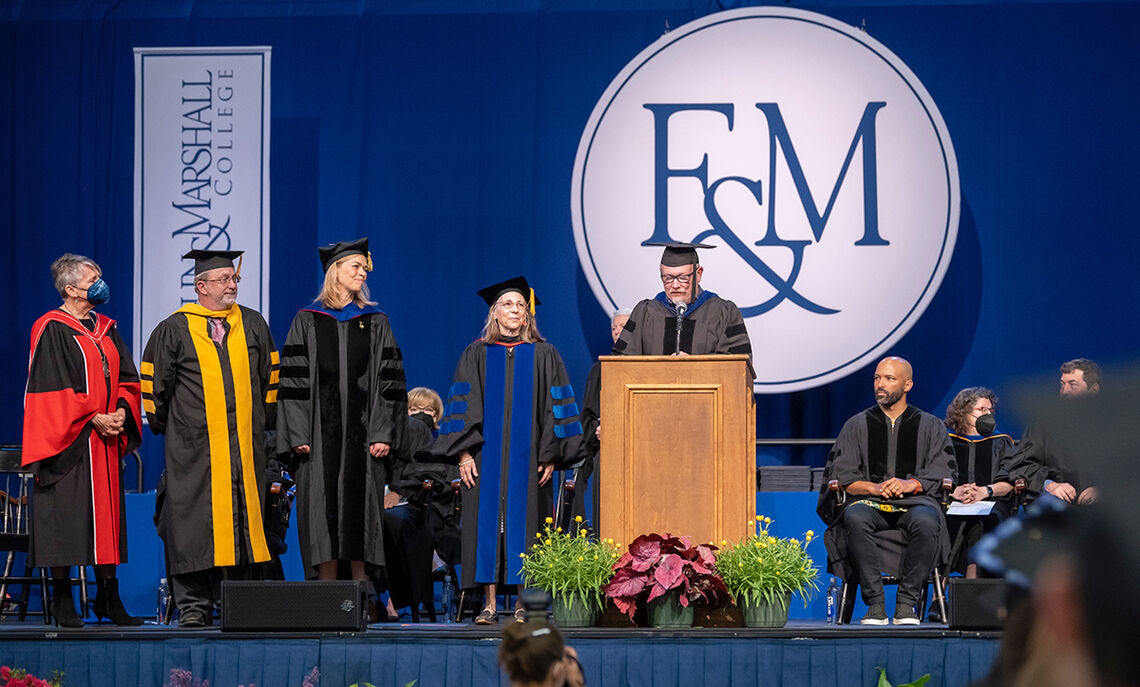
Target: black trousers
(201, 590)
(923, 528)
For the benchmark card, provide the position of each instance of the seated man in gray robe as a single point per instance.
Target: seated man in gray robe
(890, 460)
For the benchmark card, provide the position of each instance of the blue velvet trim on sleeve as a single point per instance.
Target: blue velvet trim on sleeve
(451, 426)
(561, 393)
(459, 389)
(571, 430)
(563, 412)
(456, 408)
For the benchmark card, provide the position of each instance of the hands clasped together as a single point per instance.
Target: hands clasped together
(109, 424)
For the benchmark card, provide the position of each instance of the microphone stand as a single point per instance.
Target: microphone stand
(681, 308)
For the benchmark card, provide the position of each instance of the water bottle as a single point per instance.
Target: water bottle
(832, 601)
(163, 598)
(447, 610)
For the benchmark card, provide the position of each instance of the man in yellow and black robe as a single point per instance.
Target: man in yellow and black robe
(209, 381)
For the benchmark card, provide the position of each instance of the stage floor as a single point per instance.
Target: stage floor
(807, 653)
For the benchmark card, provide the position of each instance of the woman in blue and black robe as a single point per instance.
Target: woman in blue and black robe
(511, 419)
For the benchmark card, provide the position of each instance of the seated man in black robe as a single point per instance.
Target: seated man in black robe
(1041, 458)
(889, 460)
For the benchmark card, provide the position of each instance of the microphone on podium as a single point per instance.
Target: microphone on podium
(680, 308)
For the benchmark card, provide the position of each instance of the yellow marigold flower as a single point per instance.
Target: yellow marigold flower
(809, 533)
(759, 544)
(771, 540)
(577, 518)
(547, 542)
(522, 556)
(740, 564)
(550, 521)
(595, 556)
(794, 541)
(551, 565)
(759, 559)
(723, 542)
(581, 558)
(759, 518)
(557, 529)
(767, 520)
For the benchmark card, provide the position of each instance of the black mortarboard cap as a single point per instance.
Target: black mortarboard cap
(333, 252)
(206, 260)
(678, 254)
(491, 293)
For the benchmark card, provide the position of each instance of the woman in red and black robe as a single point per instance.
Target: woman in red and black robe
(81, 415)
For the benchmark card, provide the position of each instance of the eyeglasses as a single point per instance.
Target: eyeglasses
(415, 410)
(668, 279)
(235, 279)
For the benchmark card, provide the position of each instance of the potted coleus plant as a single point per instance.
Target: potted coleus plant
(762, 572)
(571, 567)
(669, 573)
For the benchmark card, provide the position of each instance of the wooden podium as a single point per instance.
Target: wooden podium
(678, 449)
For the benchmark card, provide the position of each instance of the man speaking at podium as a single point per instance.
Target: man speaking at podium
(684, 319)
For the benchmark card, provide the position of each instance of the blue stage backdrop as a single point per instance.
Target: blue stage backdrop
(446, 132)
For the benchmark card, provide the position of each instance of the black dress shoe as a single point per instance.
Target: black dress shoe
(192, 619)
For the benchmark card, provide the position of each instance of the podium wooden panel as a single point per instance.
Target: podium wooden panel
(678, 449)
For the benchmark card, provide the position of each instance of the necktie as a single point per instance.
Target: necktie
(217, 330)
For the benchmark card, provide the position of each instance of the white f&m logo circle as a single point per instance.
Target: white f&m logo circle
(807, 152)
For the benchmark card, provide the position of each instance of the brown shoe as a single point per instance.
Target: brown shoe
(487, 617)
(520, 615)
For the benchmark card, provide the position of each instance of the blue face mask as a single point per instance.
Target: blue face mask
(98, 293)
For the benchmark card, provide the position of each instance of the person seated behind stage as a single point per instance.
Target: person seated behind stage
(534, 655)
(1041, 458)
(983, 469)
(708, 323)
(591, 424)
(413, 537)
(889, 460)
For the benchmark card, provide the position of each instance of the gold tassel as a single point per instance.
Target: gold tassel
(531, 304)
(368, 267)
(237, 272)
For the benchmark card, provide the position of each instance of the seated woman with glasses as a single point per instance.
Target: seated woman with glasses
(983, 470)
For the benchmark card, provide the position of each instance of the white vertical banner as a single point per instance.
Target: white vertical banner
(201, 173)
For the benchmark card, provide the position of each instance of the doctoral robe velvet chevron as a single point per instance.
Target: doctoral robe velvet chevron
(512, 407)
(76, 370)
(342, 389)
